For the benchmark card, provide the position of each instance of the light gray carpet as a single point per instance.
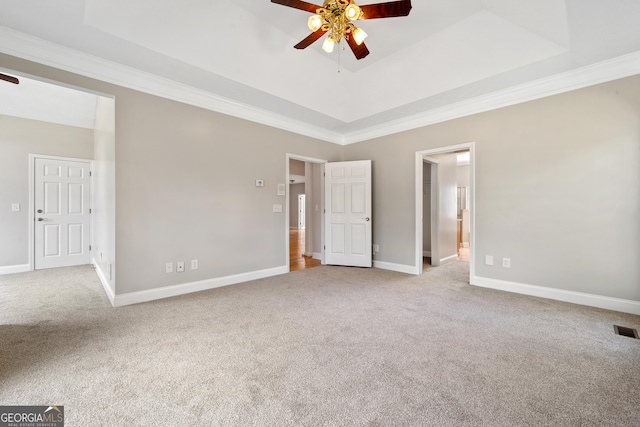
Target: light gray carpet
(326, 346)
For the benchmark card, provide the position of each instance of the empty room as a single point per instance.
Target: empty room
(287, 213)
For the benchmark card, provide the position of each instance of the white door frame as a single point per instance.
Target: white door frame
(32, 200)
(287, 204)
(419, 156)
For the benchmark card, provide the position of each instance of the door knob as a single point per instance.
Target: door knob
(367, 219)
(42, 219)
(39, 210)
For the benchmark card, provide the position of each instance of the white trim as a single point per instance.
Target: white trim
(601, 72)
(591, 300)
(448, 259)
(317, 255)
(54, 55)
(104, 281)
(44, 52)
(400, 268)
(12, 269)
(121, 300)
(32, 199)
(426, 254)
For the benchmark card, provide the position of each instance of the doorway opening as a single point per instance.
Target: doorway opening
(304, 212)
(445, 206)
(66, 147)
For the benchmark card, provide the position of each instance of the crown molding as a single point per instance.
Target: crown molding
(34, 49)
(601, 72)
(44, 52)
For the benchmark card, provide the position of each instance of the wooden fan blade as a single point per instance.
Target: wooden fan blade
(310, 39)
(9, 79)
(359, 50)
(297, 4)
(386, 10)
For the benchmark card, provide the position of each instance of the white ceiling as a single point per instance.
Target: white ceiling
(36, 100)
(239, 52)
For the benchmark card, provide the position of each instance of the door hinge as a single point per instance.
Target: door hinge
(89, 247)
(324, 174)
(325, 247)
(90, 210)
(90, 173)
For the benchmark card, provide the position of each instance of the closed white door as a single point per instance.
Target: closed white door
(348, 213)
(62, 217)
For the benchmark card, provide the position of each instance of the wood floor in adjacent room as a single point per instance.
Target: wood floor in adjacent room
(297, 260)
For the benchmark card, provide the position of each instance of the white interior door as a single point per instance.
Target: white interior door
(348, 213)
(62, 217)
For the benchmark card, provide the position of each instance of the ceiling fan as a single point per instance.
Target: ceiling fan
(9, 79)
(336, 17)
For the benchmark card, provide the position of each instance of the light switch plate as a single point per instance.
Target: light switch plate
(259, 182)
(277, 208)
(488, 260)
(15, 207)
(282, 190)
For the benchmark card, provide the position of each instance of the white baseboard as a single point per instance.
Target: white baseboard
(187, 288)
(448, 259)
(105, 282)
(426, 253)
(316, 255)
(12, 269)
(308, 254)
(400, 268)
(599, 301)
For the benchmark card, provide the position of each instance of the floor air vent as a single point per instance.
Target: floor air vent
(626, 332)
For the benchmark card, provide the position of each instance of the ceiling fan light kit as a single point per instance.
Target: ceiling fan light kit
(336, 18)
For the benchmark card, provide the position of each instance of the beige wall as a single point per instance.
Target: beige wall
(464, 175)
(556, 189)
(296, 167)
(294, 191)
(180, 191)
(447, 170)
(19, 138)
(104, 182)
